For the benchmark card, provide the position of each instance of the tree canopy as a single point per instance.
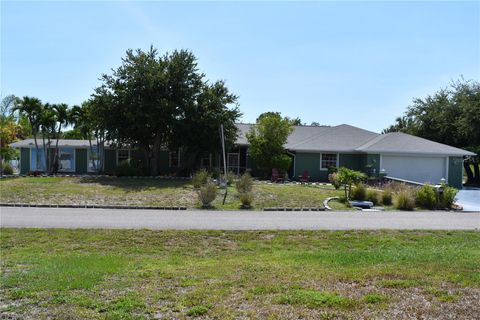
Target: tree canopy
(267, 139)
(154, 101)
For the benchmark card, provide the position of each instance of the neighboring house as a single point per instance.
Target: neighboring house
(313, 149)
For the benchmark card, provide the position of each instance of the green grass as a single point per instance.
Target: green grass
(152, 192)
(142, 274)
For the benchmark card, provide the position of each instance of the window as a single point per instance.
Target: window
(40, 166)
(93, 160)
(328, 160)
(206, 161)
(233, 162)
(173, 159)
(123, 155)
(66, 159)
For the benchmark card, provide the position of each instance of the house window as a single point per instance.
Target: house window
(40, 166)
(173, 159)
(233, 162)
(93, 160)
(328, 160)
(123, 155)
(66, 159)
(206, 162)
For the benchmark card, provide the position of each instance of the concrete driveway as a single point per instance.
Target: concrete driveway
(469, 199)
(234, 220)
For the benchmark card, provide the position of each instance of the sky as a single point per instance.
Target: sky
(359, 63)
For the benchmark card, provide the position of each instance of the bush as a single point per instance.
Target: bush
(200, 178)
(231, 178)
(447, 197)
(207, 194)
(126, 169)
(405, 200)
(426, 197)
(246, 198)
(387, 196)
(333, 178)
(7, 168)
(359, 192)
(244, 184)
(373, 196)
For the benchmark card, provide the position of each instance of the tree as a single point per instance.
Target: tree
(450, 116)
(347, 177)
(154, 101)
(197, 131)
(31, 108)
(267, 139)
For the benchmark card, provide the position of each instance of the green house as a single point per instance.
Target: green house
(313, 148)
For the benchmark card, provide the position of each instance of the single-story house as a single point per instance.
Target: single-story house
(313, 149)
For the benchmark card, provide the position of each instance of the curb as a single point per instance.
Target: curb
(325, 203)
(88, 206)
(294, 209)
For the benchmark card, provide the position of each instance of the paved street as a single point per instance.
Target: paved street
(233, 220)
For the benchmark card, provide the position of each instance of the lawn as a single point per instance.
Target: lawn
(152, 192)
(142, 274)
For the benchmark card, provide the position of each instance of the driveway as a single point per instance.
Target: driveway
(469, 199)
(233, 220)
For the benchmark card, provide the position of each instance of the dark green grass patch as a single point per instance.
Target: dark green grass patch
(316, 299)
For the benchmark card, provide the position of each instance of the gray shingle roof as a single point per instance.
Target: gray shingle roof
(29, 143)
(346, 138)
(398, 142)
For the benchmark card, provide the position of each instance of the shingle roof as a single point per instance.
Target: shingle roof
(398, 142)
(346, 138)
(28, 143)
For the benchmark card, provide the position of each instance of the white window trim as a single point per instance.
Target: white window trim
(74, 160)
(88, 159)
(116, 154)
(336, 162)
(170, 159)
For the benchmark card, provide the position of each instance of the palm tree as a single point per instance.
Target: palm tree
(32, 108)
(48, 128)
(62, 117)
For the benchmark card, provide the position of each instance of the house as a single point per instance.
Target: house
(313, 149)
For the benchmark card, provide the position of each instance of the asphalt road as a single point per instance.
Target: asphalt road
(233, 220)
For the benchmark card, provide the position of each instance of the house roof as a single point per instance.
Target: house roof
(346, 138)
(29, 143)
(398, 142)
(342, 138)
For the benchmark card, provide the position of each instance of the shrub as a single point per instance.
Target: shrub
(126, 169)
(197, 311)
(347, 177)
(405, 200)
(359, 192)
(231, 178)
(373, 196)
(200, 178)
(246, 198)
(207, 193)
(333, 178)
(245, 183)
(7, 168)
(426, 197)
(447, 197)
(387, 197)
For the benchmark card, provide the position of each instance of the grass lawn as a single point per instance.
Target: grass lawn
(152, 192)
(142, 274)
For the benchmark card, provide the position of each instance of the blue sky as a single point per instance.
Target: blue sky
(359, 63)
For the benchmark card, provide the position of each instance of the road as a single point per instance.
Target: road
(233, 220)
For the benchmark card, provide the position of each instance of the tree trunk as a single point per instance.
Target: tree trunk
(37, 155)
(44, 152)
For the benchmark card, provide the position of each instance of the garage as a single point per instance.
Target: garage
(415, 168)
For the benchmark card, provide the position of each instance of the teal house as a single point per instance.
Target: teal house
(313, 149)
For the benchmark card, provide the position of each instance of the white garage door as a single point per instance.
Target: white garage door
(415, 168)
